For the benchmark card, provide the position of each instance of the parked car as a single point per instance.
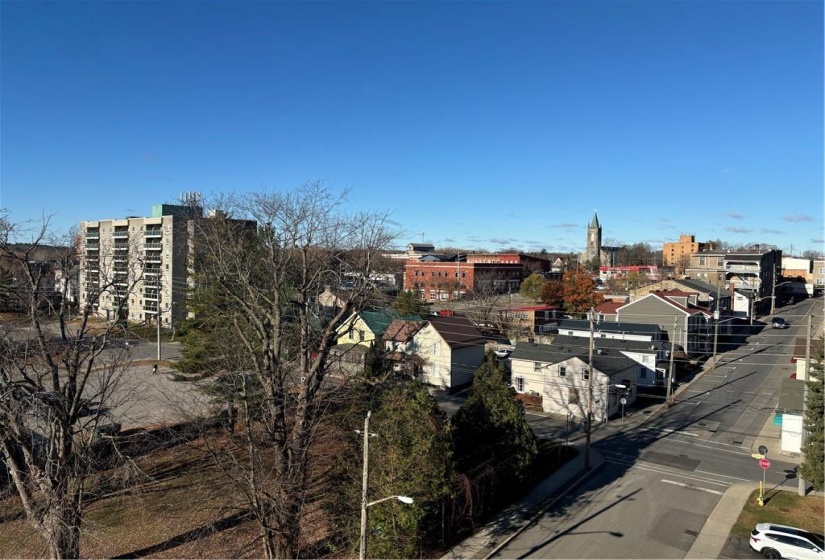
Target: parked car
(780, 323)
(781, 541)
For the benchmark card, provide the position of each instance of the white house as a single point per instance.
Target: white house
(651, 358)
(561, 377)
(451, 349)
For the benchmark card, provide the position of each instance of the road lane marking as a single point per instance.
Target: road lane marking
(692, 487)
(672, 431)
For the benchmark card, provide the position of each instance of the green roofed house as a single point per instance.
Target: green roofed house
(367, 327)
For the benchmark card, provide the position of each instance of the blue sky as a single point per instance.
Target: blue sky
(483, 125)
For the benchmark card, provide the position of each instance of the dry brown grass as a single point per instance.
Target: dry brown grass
(784, 508)
(174, 504)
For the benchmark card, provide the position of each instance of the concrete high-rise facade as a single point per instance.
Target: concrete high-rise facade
(138, 269)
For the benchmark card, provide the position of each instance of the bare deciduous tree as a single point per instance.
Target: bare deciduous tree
(264, 341)
(56, 382)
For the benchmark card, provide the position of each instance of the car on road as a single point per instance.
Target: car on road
(780, 323)
(781, 541)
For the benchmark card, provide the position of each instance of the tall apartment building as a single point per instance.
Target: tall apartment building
(750, 273)
(677, 253)
(135, 268)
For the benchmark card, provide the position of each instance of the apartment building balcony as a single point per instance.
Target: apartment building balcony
(92, 246)
(120, 234)
(92, 234)
(153, 259)
(150, 295)
(742, 268)
(153, 232)
(153, 245)
(150, 307)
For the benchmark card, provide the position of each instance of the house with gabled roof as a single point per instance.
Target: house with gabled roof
(685, 326)
(706, 296)
(560, 375)
(400, 348)
(652, 358)
(451, 349)
(368, 326)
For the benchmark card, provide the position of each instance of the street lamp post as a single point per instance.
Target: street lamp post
(365, 478)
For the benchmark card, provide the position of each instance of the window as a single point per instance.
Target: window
(585, 373)
(536, 366)
(360, 336)
(436, 348)
(562, 371)
(573, 396)
(642, 373)
(519, 383)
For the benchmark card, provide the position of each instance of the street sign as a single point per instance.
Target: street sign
(765, 464)
(623, 400)
(757, 456)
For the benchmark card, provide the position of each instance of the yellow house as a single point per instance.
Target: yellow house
(367, 327)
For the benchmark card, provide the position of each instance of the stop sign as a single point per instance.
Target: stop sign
(765, 464)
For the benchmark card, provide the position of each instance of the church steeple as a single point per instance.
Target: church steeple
(593, 250)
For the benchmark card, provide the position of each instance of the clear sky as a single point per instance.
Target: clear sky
(476, 124)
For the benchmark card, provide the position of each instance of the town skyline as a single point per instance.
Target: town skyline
(478, 125)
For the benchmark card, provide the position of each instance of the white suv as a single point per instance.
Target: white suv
(781, 541)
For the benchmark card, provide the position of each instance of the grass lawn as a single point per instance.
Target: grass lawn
(784, 508)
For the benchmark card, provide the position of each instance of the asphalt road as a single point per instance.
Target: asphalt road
(661, 481)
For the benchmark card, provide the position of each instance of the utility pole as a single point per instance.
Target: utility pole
(716, 317)
(589, 418)
(365, 480)
(803, 484)
(668, 398)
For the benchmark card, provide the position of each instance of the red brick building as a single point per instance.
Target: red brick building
(450, 278)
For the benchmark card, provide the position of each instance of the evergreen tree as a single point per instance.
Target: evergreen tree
(409, 302)
(812, 469)
(410, 457)
(491, 429)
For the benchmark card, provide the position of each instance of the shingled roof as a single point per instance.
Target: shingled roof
(457, 331)
(611, 364)
(401, 330)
